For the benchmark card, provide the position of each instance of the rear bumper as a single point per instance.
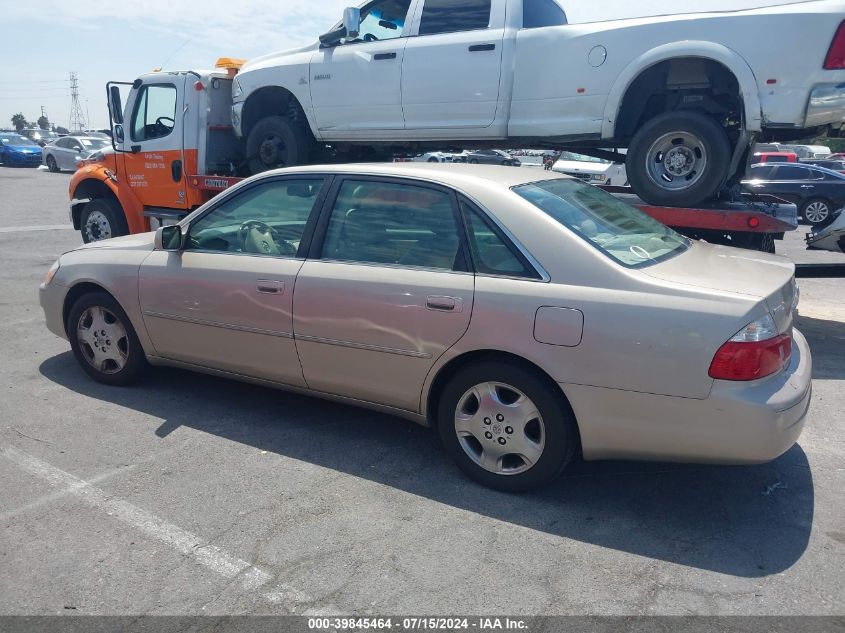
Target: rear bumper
(739, 423)
(826, 106)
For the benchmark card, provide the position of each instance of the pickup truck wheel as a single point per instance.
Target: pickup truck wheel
(816, 211)
(275, 142)
(678, 159)
(102, 219)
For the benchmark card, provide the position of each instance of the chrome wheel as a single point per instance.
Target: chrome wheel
(676, 161)
(97, 227)
(102, 340)
(816, 212)
(500, 428)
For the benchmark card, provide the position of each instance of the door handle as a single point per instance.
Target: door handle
(482, 47)
(270, 287)
(176, 170)
(444, 304)
(379, 56)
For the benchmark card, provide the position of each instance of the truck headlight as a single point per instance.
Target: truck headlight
(598, 177)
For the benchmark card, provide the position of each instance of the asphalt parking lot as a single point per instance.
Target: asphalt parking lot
(195, 495)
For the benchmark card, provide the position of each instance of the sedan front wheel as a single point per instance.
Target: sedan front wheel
(506, 427)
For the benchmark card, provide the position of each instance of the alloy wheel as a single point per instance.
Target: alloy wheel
(103, 340)
(817, 212)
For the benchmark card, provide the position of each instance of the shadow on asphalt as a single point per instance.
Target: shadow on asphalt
(827, 343)
(743, 521)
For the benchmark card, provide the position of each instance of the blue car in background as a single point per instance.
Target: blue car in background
(19, 150)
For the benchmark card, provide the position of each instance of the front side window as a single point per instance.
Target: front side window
(618, 230)
(382, 20)
(449, 16)
(155, 112)
(539, 13)
(392, 223)
(266, 219)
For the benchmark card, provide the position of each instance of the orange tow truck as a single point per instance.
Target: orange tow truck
(173, 148)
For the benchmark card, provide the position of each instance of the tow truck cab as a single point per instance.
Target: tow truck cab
(173, 148)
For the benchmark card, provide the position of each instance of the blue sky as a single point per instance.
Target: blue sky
(42, 42)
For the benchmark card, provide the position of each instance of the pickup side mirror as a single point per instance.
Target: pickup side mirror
(169, 238)
(117, 132)
(114, 103)
(352, 22)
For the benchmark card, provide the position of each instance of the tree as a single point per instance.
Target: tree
(19, 121)
(43, 122)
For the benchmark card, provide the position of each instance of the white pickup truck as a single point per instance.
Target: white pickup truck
(686, 94)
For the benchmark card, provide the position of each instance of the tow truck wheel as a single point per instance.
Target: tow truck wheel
(679, 159)
(102, 219)
(275, 142)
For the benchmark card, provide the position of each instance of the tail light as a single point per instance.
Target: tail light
(836, 55)
(756, 351)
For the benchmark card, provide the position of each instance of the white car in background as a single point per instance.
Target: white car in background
(439, 157)
(66, 152)
(596, 171)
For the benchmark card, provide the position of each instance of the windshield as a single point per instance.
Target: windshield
(93, 143)
(620, 231)
(14, 139)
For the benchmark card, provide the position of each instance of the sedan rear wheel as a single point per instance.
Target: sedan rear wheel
(103, 340)
(505, 427)
(816, 211)
(52, 165)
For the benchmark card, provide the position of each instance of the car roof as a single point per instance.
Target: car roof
(450, 174)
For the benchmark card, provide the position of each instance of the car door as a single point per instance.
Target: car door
(385, 292)
(355, 85)
(153, 141)
(796, 181)
(224, 301)
(452, 65)
(67, 149)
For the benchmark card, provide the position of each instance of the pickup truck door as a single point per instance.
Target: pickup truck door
(451, 71)
(355, 85)
(153, 140)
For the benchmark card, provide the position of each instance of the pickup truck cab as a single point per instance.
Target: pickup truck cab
(686, 94)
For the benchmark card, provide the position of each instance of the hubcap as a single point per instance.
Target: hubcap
(816, 212)
(273, 151)
(103, 340)
(500, 428)
(97, 227)
(676, 161)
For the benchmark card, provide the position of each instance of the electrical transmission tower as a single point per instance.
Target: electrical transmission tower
(77, 118)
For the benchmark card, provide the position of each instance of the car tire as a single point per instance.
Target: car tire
(433, 160)
(816, 211)
(678, 159)
(479, 443)
(110, 354)
(102, 219)
(473, 161)
(52, 165)
(276, 141)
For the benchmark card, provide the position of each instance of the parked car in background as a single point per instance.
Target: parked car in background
(440, 157)
(66, 152)
(835, 165)
(817, 191)
(596, 171)
(18, 150)
(428, 275)
(840, 156)
(774, 157)
(41, 137)
(491, 157)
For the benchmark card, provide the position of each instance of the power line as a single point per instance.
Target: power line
(77, 117)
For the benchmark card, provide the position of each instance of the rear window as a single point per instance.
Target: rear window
(618, 230)
(449, 16)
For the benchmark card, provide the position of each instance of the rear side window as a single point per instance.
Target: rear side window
(449, 16)
(492, 254)
(539, 13)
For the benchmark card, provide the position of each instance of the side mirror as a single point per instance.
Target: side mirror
(352, 22)
(115, 105)
(117, 133)
(169, 238)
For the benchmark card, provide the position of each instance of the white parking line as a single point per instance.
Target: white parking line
(182, 541)
(43, 227)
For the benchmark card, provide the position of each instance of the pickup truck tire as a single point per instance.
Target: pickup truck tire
(276, 141)
(678, 159)
(102, 219)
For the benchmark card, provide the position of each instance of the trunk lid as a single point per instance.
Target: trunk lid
(727, 269)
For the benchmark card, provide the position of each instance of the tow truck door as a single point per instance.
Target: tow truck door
(153, 140)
